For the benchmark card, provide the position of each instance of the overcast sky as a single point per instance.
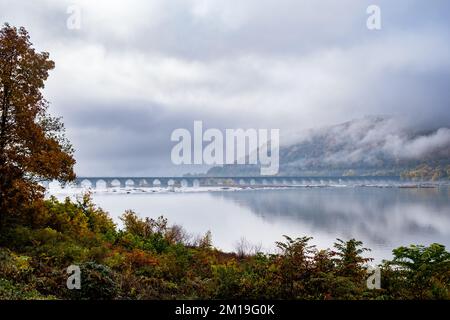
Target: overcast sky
(137, 70)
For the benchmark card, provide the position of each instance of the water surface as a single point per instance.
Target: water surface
(383, 218)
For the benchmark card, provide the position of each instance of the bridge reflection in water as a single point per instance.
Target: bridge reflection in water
(199, 181)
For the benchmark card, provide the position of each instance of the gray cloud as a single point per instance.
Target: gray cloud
(137, 70)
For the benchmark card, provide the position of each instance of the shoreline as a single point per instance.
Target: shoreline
(161, 190)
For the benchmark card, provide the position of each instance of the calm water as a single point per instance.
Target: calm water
(383, 218)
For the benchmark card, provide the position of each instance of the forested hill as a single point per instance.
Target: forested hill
(367, 146)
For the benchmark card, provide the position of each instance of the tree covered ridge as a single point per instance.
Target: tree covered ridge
(150, 259)
(427, 172)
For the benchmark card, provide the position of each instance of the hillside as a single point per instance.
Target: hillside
(367, 146)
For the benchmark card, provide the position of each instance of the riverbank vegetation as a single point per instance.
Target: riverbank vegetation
(427, 172)
(150, 259)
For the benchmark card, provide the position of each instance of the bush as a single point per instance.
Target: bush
(424, 270)
(97, 283)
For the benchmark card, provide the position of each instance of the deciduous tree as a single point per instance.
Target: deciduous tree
(33, 147)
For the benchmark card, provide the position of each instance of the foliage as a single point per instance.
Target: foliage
(32, 143)
(97, 282)
(425, 271)
(427, 172)
(149, 259)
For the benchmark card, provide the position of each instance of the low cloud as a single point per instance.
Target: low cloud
(374, 141)
(418, 147)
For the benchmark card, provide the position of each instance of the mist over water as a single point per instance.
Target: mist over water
(383, 218)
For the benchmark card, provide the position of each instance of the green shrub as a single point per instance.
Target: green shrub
(97, 283)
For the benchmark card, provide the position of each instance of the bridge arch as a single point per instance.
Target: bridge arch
(101, 184)
(141, 183)
(196, 183)
(228, 182)
(184, 183)
(86, 183)
(115, 183)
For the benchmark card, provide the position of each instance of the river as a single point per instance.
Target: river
(382, 217)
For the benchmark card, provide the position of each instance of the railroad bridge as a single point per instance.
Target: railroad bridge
(197, 181)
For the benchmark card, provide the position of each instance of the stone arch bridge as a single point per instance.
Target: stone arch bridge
(197, 181)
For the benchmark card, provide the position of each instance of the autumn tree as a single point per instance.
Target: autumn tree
(349, 258)
(33, 147)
